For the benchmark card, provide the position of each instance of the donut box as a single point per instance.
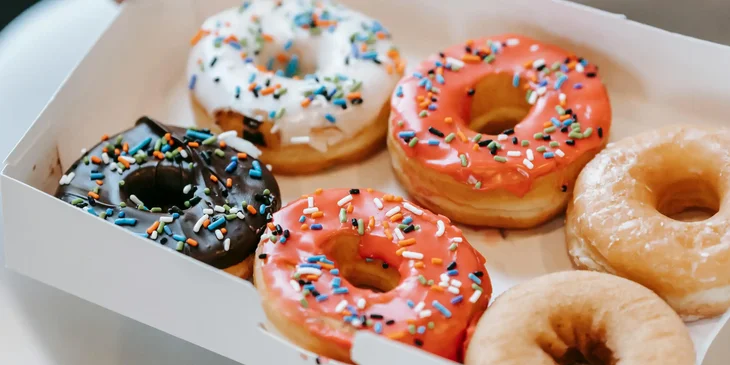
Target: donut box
(137, 68)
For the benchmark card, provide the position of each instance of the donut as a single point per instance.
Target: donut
(580, 317)
(503, 125)
(339, 261)
(184, 189)
(307, 82)
(620, 218)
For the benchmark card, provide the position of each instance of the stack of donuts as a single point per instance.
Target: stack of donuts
(502, 131)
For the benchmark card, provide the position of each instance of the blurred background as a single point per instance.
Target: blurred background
(40, 42)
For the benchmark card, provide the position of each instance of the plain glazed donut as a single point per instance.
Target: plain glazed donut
(619, 219)
(580, 317)
(454, 149)
(325, 253)
(179, 188)
(307, 82)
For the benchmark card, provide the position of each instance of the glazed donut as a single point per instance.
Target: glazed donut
(308, 84)
(579, 317)
(619, 218)
(180, 188)
(340, 261)
(452, 129)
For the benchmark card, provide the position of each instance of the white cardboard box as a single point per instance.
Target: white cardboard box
(138, 68)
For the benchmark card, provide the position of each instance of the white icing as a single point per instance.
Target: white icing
(322, 55)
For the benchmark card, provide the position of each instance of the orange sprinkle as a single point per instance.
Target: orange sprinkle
(389, 69)
(244, 55)
(229, 182)
(437, 261)
(393, 53)
(206, 223)
(400, 67)
(267, 37)
(350, 208)
(475, 147)
(564, 117)
(251, 209)
(93, 195)
(104, 149)
(192, 242)
(116, 151)
(305, 102)
(425, 103)
(420, 98)
(400, 251)
(213, 178)
(271, 226)
(251, 86)
(388, 235)
(318, 214)
(282, 57)
(124, 162)
(396, 335)
(470, 58)
(318, 191)
(364, 47)
(99, 182)
(159, 155)
(304, 227)
(222, 144)
(469, 42)
(125, 147)
(461, 135)
(242, 156)
(95, 159)
(267, 91)
(386, 224)
(547, 124)
(153, 227)
(105, 137)
(371, 222)
(326, 265)
(354, 95)
(310, 277)
(419, 265)
(224, 230)
(527, 64)
(369, 190)
(437, 288)
(198, 36)
(396, 217)
(448, 120)
(407, 242)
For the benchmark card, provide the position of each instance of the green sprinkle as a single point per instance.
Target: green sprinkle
(123, 204)
(549, 130)
(575, 126)
(554, 144)
(360, 227)
(478, 185)
(587, 133)
(575, 135)
(430, 282)
(400, 123)
(95, 189)
(168, 155)
(489, 59)
(477, 138)
(280, 113)
(118, 140)
(527, 96)
(141, 207)
(339, 94)
(537, 136)
(328, 79)
(423, 114)
(453, 247)
(464, 162)
(343, 215)
(422, 279)
(77, 201)
(244, 204)
(266, 192)
(412, 329)
(525, 143)
(402, 226)
(356, 86)
(219, 152)
(121, 166)
(210, 140)
(156, 210)
(191, 165)
(86, 160)
(227, 207)
(161, 228)
(492, 145)
(559, 109)
(187, 204)
(206, 191)
(431, 325)
(175, 152)
(500, 159)
(180, 245)
(413, 142)
(450, 137)
(418, 227)
(303, 301)
(476, 287)
(555, 66)
(541, 149)
(315, 31)
(368, 322)
(272, 238)
(102, 215)
(231, 217)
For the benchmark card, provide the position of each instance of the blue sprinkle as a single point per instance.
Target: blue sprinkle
(248, 60)
(288, 44)
(376, 26)
(457, 299)
(406, 134)
(543, 83)
(279, 73)
(175, 215)
(584, 62)
(560, 81)
(322, 297)
(270, 64)
(252, 78)
(339, 102)
(125, 222)
(399, 91)
(309, 287)
(348, 319)
(440, 79)
(422, 82)
(408, 220)
(342, 290)
(168, 230)
(410, 303)
(282, 239)
(548, 155)
(330, 118)
(231, 166)
(433, 142)
(568, 122)
(378, 327)
(324, 260)
(256, 165)
(179, 237)
(293, 66)
(516, 80)
(433, 106)
(342, 77)
(109, 212)
(316, 227)
(196, 135)
(315, 258)
(320, 90)
(215, 224)
(475, 279)
(418, 75)
(165, 148)
(235, 45)
(262, 209)
(439, 64)
(370, 55)
(555, 122)
(440, 307)
(578, 86)
(96, 176)
(335, 272)
(421, 330)
(352, 310)
(272, 114)
(302, 219)
(122, 214)
(143, 234)
(256, 174)
(354, 50)
(316, 266)
(93, 212)
(193, 79)
(564, 68)
(453, 272)
(332, 93)
(495, 49)
(234, 158)
(336, 282)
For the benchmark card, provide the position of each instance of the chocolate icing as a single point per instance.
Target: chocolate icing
(160, 183)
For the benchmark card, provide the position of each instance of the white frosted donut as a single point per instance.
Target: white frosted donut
(308, 84)
(619, 220)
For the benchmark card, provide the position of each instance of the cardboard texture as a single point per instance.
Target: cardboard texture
(137, 68)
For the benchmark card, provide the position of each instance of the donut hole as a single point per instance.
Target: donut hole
(159, 186)
(373, 274)
(576, 340)
(688, 200)
(497, 105)
(294, 63)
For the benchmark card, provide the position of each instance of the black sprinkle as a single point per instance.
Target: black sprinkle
(347, 60)
(377, 61)
(277, 96)
(385, 265)
(509, 131)
(409, 228)
(224, 193)
(268, 82)
(257, 138)
(318, 361)
(470, 92)
(467, 49)
(567, 60)
(493, 151)
(212, 63)
(564, 188)
(436, 132)
(255, 93)
(484, 143)
(569, 111)
(217, 80)
(390, 322)
(92, 202)
(479, 274)
(263, 256)
(451, 266)
(354, 222)
(356, 101)
(514, 140)
(279, 230)
(302, 282)
(260, 197)
(315, 293)
(431, 72)
(600, 132)
(418, 342)
(354, 191)
(434, 99)
(546, 137)
(542, 67)
(570, 142)
(286, 233)
(442, 55)
(376, 316)
(564, 129)
(163, 240)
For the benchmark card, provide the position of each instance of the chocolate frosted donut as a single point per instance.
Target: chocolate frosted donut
(181, 188)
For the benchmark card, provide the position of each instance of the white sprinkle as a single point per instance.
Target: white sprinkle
(345, 200)
(419, 307)
(412, 255)
(541, 90)
(242, 145)
(393, 211)
(234, 210)
(445, 278)
(441, 228)
(310, 210)
(513, 42)
(340, 306)
(136, 200)
(309, 271)
(105, 158)
(534, 48)
(539, 62)
(240, 215)
(128, 159)
(299, 140)
(560, 152)
(184, 153)
(530, 155)
(295, 285)
(514, 153)
(444, 284)
(199, 223)
(187, 188)
(453, 290)
(378, 203)
(62, 180)
(356, 322)
(153, 235)
(502, 137)
(455, 62)
(533, 98)
(361, 303)
(527, 163)
(474, 297)
(226, 135)
(275, 129)
(457, 239)
(219, 209)
(208, 211)
(113, 167)
(227, 244)
(310, 201)
(397, 232)
(71, 176)
(456, 283)
(579, 67)
(83, 151)
(412, 208)
(269, 167)
(166, 219)
(218, 234)
(425, 314)
(562, 98)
